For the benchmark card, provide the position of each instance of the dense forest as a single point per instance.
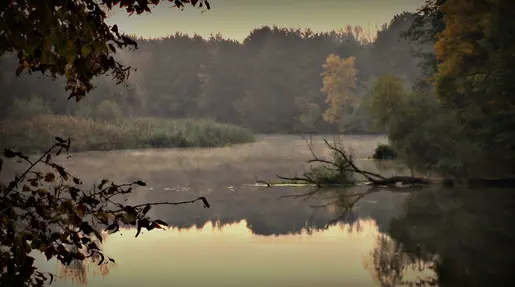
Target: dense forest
(277, 80)
(439, 87)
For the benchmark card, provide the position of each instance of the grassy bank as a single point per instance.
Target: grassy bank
(38, 133)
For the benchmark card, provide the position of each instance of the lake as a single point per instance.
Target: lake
(255, 236)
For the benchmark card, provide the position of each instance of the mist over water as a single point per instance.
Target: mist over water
(214, 167)
(249, 235)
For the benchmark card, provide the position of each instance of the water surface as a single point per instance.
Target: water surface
(250, 237)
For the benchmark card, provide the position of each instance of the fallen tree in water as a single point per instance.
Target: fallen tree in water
(342, 170)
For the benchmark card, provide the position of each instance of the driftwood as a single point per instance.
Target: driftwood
(402, 180)
(347, 164)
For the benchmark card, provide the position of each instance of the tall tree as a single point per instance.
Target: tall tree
(222, 80)
(427, 23)
(339, 83)
(475, 73)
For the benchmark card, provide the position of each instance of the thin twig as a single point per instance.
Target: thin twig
(29, 169)
(203, 199)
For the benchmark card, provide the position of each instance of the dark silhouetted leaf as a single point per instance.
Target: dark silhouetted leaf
(49, 252)
(113, 228)
(102, 183)
(86, 228)
(61, 171)
(102, 258)
(85, 240)
(9, 153)
(159, 221)
(74, 192)
(152, 226)
(204, 201)
(146, 209)
(50, 177)
(138, 230)
(140, 183)
(91, 201)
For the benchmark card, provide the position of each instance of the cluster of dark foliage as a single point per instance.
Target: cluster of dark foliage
(384, 151)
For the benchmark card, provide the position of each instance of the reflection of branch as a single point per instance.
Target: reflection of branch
(350, 199)
(350, 206)
(306, 196)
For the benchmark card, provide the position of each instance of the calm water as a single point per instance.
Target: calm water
(250, 237)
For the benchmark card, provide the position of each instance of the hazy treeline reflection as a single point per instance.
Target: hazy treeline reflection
(461, 236)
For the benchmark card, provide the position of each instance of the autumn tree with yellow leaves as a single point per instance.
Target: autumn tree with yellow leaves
(339, 83)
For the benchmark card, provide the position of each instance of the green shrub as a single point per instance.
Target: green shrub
(35, 134)
(323, 175)
(331, 175)
(384, 151)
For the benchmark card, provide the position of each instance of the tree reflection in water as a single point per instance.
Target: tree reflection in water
(390, 266)
(430, 237)
(465, 236)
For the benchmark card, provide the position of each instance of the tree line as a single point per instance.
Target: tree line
(459, 122)
(277, 80)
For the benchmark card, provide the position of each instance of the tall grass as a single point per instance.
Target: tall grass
(33, 135)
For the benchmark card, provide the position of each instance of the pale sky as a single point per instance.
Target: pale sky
(236, 18)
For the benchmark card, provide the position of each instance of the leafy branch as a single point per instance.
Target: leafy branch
(49, 211)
